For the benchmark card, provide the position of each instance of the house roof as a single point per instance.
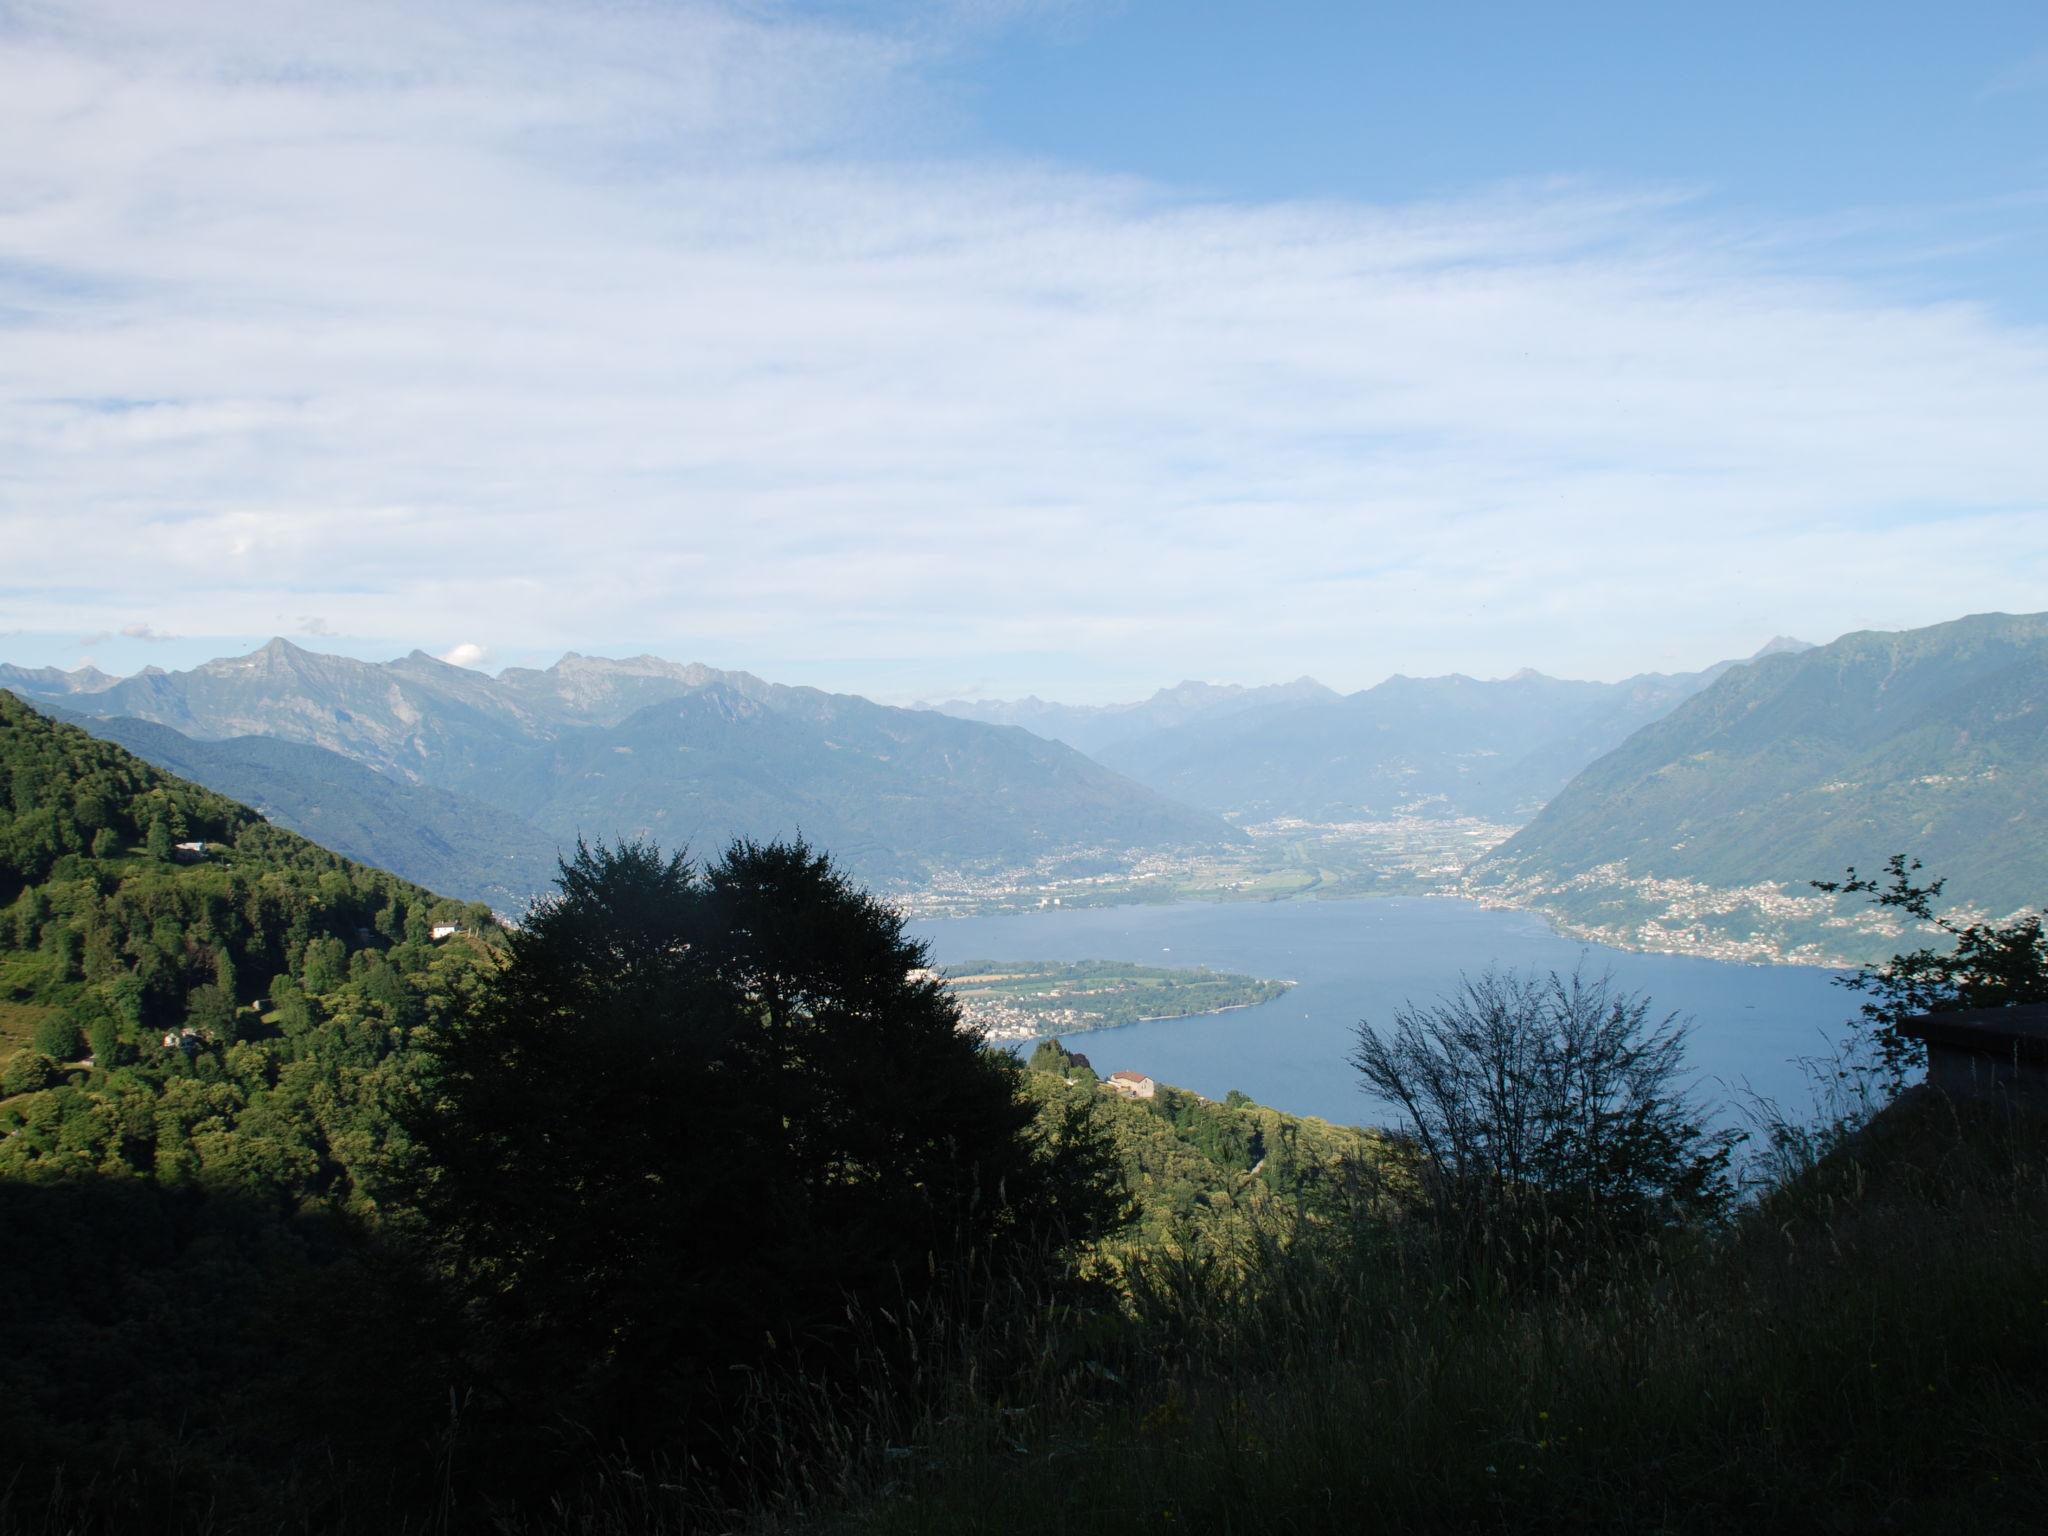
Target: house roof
(1129, 1077)
(2020, 1029)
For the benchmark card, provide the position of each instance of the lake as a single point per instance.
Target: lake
(1365, 958)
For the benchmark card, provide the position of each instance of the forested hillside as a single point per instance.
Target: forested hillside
(1206, 1174)
(1929, 742)
(230, 1012)
(200, 1048)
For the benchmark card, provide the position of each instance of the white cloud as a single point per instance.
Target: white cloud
(147, 634)
(467, 654)
(579, 326)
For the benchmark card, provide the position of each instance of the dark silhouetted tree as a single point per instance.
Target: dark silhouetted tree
(699, 1115)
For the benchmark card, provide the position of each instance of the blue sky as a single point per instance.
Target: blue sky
(989, 348)
(1915, 131)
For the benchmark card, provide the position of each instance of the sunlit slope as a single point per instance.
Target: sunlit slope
(1930, 742)
(235, 1014)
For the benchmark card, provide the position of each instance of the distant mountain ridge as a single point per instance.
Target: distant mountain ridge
(599, 748)
(1091, 727)
(1930, 742)
(1437, 746)
(52, 681)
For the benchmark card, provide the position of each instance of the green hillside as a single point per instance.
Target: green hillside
(1929, 742)
(300, 976)
(1206, 1174)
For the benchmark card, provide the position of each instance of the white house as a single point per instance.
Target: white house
(443, 930)
(189, 850)
(1132, 1085)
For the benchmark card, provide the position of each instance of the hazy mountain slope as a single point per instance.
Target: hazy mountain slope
(606, 748)
(418, 718)
(1437, 746)
(1091, 727)
(52, 682)
(438, 838)
(1931, 742)
(594, 690)
(891, 793)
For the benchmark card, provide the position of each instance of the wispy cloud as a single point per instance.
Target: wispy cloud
(577, 325)
(467, 654)
(147, 634)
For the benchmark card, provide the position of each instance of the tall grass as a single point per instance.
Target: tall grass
(1865, 1348)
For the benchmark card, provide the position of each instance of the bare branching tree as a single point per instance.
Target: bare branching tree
(1544, 1098)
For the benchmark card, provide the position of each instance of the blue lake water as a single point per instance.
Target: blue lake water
(1363, 959)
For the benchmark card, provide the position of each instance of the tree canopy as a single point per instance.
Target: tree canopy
(702, 1111)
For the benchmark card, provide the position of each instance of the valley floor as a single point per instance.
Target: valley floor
(1285, 860)
(1290, 859)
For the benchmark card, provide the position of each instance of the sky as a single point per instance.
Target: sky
(976, 348)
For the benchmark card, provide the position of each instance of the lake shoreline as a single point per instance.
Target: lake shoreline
(1353, 960)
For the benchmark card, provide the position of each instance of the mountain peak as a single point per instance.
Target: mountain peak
(275, 654)
(1782, 645)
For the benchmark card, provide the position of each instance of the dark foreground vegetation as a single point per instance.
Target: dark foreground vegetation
(686, 1207)
(1865, 1350)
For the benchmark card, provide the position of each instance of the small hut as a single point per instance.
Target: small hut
(1984, 1052)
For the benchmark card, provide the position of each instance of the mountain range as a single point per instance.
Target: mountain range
(596, 748)
(1092, 728)
(1435, 746)
(1669, 810)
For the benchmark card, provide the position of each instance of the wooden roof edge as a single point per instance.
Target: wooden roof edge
(2018, 1027)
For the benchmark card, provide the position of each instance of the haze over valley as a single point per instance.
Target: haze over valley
(1532, 791)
